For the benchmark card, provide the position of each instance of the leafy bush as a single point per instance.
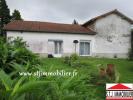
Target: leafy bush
(74, 57)
(15, 51)
(50, 88)
(74, 61)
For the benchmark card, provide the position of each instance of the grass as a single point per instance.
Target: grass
(123, 66)
(69, 88)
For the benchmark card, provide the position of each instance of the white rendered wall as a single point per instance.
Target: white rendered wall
(38, 42)
(113, 36)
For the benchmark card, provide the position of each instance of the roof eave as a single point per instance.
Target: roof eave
(87, 33)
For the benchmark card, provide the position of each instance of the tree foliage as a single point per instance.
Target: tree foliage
(4, 15)
(75, 22)
(4, 12)
(16, 15)
(15, 51)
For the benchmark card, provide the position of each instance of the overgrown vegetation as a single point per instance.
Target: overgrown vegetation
(74, 61)
(16, 58)
(92, 76)
(89, 84)
(104, 75)
(15, 51)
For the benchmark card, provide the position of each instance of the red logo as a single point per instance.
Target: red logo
(119, 91)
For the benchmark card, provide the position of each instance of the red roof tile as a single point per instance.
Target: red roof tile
(34, 26)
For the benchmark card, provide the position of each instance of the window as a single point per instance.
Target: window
(55, 47)
(58, 47)
(84, 48)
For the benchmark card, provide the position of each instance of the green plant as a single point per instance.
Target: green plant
(50, 88)
(15, 51)
(21, 87)
(74, 57)
(79, 63)
(74, 61)
(67, 60)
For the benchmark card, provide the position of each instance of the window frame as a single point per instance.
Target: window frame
(59, 47)
(87, 41)
(57, 40)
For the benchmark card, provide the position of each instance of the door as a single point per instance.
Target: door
(84, 48)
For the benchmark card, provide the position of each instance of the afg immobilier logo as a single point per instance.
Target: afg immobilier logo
(120, 91)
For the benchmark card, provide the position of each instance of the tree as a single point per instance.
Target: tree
(16, 15)
(4, 12)
(75, 22)
(4, 15)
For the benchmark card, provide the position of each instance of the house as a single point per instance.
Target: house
(107, 35)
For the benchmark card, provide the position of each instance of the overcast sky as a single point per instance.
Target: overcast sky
(64, 11)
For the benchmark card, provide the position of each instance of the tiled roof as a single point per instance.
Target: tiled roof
(35, 26)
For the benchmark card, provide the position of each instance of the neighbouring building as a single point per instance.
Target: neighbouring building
(107, 35)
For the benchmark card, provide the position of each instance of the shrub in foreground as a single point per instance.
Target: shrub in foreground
(15, 51)
(74, 61)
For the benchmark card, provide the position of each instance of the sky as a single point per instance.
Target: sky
(65, 11)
